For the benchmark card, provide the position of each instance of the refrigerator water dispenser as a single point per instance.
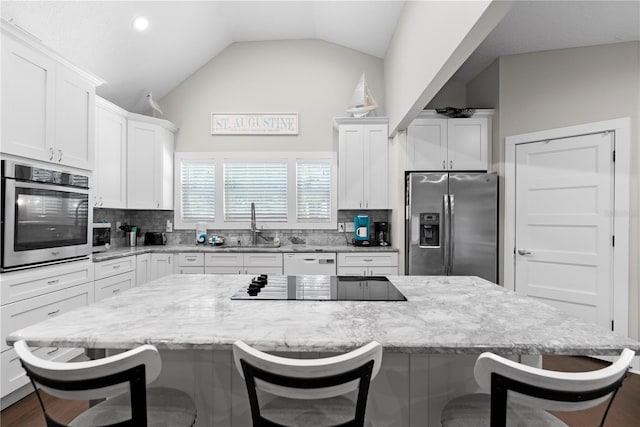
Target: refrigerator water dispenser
(429, 229)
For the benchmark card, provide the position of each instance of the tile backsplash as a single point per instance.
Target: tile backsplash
(156, 220)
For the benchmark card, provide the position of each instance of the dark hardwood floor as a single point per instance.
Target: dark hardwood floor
(625, 411)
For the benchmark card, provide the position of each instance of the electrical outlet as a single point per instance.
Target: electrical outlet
(341, 227)
(169, 226)
(350, 227)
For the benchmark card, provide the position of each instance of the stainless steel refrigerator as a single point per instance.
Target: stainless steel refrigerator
(452, 224)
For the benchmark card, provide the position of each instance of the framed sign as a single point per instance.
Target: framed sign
(254, 123)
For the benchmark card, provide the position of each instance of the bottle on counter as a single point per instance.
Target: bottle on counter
(276, 241)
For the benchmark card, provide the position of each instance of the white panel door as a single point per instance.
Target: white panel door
(28, 80)
(142, 178)
(75, 117)
(427, 145)
(376, 167)
(467, 144)
(351, 167)
(564, 226)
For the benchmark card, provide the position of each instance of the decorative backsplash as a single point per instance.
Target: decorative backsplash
(156, 220)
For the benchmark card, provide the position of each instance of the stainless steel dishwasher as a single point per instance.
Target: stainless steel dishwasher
(310, 263)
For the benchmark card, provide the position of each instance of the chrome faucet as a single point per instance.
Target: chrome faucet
(254, 228)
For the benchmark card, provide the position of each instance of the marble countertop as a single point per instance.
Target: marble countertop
(460, 315)
(114, 253)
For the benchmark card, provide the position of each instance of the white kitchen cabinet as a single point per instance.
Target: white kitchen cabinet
(110, 171)
(143, 269)
(262, 263)
(363, 163)
(114, 266)
(367, 264)
(190, 263)
(23, 313)
(161, 265)
(48, 104)
(436, 143)
(150, 147)
(114, 285)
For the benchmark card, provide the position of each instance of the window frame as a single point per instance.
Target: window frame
(291, 159)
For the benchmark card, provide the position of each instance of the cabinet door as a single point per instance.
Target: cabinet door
(190, 270)
(234, 260)
(143, 269)
(262, 270)
(383, 271)
(28, 80)
(352, 271)
(427, 145)
(351, 167)
(142, 176)
(161, 265)
(75, 118)
(263, 259)
(112, 286)
(110, 172)
(164, 170)
(376, 167)
(468, 144)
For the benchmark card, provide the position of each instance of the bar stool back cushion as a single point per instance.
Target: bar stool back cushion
(120, 378)
(324, 380)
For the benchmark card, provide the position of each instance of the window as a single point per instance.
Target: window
(289, 190)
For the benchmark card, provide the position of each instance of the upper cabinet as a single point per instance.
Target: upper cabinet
(47, 104)
(437, 143)
(363, 163)
(150, 148)
(110, 172)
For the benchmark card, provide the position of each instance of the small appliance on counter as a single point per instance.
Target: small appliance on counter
(101, 236)
(381, 230)
(361, 230)
(155, 238)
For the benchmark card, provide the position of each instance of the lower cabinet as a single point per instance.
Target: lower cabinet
(113, 285)
(367, 264)
(190, 263)
(161, 265)
(143, 269)
(20, 314)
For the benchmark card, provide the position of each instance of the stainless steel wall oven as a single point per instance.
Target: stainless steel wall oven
(45, 215)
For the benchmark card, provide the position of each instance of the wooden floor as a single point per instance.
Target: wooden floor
(625, 411)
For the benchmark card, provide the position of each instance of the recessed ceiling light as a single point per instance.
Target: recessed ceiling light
(140, 23)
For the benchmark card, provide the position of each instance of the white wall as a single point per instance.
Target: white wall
(431, 41)
(311, 77)
(545, 90)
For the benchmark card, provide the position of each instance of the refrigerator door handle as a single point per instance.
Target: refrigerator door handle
(452, 232)
(445, 232)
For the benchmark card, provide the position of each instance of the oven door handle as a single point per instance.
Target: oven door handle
(50, 187)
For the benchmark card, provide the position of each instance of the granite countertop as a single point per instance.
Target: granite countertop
(114, 253)
(456, 315)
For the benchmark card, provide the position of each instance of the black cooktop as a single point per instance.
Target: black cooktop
(320, 288)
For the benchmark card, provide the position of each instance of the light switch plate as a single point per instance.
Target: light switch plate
(350, 227)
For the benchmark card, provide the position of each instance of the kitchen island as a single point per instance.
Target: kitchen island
(430, 341)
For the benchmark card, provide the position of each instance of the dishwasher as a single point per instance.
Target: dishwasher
(298, 264)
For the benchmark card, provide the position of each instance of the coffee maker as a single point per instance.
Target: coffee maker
(381, 235)
(361, 230)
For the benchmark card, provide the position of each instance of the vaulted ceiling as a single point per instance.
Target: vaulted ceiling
(185, 35)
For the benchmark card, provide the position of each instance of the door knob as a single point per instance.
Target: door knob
(524, 252)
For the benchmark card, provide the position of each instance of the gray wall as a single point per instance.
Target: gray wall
(551, 89)
(311, 77)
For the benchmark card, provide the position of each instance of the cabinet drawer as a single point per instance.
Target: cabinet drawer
(114, 285)
(228, 269)
(367, 259)
(21, 285)
(190, 270)
(262, 270)
(21, 314)
(191, 260)
(14, 377)
(115, 266)
(228, 259)
(263, 259)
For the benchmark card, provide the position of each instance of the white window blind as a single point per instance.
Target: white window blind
(313, 188)
(198, 195)
(264, 184)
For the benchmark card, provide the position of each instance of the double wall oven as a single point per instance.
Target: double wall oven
(45, 215)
